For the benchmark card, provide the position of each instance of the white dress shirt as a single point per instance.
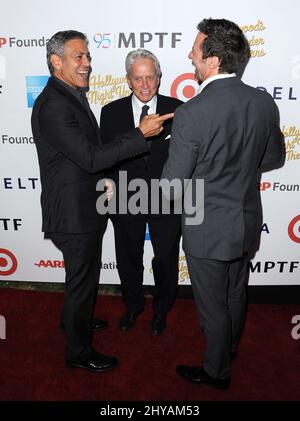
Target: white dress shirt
(137, 106)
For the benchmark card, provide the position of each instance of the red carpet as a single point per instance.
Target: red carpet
(32, 355)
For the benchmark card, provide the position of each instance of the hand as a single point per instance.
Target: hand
(109, 189)
(152, 124)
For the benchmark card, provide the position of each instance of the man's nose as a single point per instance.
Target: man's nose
(86, 61)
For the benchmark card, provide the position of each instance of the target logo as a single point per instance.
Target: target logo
(8, 262)
(184, 87)
(294, 229)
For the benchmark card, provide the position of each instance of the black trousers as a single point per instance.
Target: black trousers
(82, 258)
(220, 293)
(129, 244)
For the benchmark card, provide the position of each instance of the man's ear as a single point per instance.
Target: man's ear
(129, 83)
(213, 62)
(56, 61)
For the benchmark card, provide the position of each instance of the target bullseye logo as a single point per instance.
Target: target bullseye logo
(184, 87)
(8, 262)
(294, 229)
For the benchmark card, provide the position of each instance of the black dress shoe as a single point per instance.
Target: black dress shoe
(199, 376)
(96, 363)
(128, 320)
(158, 324)
(97, 325)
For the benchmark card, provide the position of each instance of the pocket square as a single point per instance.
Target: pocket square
(168, 137)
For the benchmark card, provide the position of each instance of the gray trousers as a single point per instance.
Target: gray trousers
(220, 293)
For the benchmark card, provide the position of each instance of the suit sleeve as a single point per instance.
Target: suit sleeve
(274, 153)
(107, 137)
(183, 150)
(105, 127)
(63, 131)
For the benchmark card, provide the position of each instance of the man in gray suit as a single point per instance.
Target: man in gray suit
(226, 135)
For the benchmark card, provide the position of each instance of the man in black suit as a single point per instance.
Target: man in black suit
(226, 135)
(71, 157)
(143, 76)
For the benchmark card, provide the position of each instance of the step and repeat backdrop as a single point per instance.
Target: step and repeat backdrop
(168, 29)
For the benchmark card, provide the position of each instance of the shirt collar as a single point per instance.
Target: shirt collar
(137, 106)
(212, 78)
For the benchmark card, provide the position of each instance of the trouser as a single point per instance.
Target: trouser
(220, 293)
(82, 258)
(129, 242)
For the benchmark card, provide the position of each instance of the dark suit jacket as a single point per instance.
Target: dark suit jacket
(71, 157)
(117, 117)
(225, 135)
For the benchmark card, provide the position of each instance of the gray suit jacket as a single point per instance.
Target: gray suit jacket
(226, 136)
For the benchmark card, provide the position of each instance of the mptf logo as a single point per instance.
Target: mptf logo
(8, 262)
(184, 87)
(294, 229)
(34, 86)
(136, 40)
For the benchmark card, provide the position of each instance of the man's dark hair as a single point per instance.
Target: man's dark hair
(226, 41)
(56, 44)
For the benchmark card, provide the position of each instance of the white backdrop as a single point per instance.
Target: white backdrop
(168, 29)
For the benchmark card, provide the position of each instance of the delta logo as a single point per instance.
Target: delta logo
(53, 264)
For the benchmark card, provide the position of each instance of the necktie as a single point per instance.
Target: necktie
(144, 112)
(84, 101)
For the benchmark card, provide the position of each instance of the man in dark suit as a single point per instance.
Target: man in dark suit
(71, 157)
(143, 76)
(226, 135)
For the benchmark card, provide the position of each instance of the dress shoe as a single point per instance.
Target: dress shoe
(158, 324)
(97, 325)
(96, 363)
(199, 376)
(128, 320)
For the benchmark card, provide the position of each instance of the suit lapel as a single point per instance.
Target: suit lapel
(52, 82)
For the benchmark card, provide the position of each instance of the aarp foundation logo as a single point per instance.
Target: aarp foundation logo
(184, 87)
(8, 262)
(294, 229)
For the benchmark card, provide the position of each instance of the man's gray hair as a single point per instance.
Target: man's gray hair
(138, 54)
(56, 44)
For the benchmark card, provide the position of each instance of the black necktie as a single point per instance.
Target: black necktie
(84, 101)
(144, 112)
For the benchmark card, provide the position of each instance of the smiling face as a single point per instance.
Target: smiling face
(143, 79)
(73, 67)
